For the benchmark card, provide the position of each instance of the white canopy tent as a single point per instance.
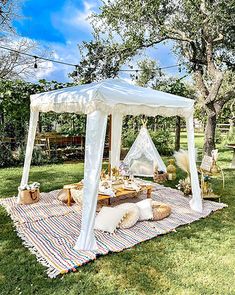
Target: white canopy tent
(98, 100)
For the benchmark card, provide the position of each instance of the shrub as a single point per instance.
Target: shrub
(163, 141)
(218, 136)
(6, 156)
(39, 157)
(128, 138)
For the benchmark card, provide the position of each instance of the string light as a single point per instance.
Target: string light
(76, 71)
(35, 62)
(36, 58)
(136, 74)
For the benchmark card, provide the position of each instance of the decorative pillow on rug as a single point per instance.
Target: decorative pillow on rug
(132, 215)
(109, 218)
(160, 210)
(145, 208)
(77, 195)
(63, 196)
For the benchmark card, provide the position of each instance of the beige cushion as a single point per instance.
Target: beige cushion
(160, 210)
(63, 196)
(145, 208)
(132, 215)
(109, 218)
(77, 195)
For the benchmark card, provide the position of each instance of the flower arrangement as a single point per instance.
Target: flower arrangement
(30, 187)
(184, 185)
(124, 169)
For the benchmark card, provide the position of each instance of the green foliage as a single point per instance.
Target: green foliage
(72, 124)
(14, 107)
(6, 157)
(100, 59)
(141, 25)
(128, 138)
(163, 141)
(15, 110)
(39, 157)
(218, 136)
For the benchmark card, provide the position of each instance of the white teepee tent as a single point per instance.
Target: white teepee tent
(143, 156)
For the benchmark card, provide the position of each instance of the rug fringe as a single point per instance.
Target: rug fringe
(51, 271)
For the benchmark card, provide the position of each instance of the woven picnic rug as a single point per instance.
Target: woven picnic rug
(50, 228)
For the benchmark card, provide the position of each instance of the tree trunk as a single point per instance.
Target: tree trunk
(209, 141)
(39, 124)
(177, 133)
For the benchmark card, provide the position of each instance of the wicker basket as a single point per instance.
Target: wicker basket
(160, 178)
(160, 210)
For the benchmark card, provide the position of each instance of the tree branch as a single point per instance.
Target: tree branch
(198, 75)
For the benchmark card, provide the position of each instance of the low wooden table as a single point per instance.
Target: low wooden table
(120, 192)
(125, 192)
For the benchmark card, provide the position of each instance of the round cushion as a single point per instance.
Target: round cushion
(160, 210)
(77, 195)
(132, 215)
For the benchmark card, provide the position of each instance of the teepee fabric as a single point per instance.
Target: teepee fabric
(143, 156)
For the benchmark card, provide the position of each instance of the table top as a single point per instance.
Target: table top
(119, 191)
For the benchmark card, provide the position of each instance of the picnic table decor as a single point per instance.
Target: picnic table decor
(109, 189)
(171, 170)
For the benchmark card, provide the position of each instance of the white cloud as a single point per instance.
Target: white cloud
(44, 70)
(73, 19)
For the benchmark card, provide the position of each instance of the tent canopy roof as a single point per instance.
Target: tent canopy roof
(112, 95)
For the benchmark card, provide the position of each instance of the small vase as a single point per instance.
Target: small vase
(171, 170)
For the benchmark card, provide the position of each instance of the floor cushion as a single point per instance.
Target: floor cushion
(160, 210)
(145, 208)
(132, 215)
(109, 218)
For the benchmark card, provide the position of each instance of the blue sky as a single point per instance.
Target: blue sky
(58, 26)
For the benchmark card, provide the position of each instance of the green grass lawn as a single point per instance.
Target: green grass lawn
(196, 259)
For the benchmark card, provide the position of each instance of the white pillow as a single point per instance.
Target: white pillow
(145, 208)
(132, 215)
(109, 218)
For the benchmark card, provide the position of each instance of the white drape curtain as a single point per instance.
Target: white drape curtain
(95, 138)
(116, 139)
(196, 201)
(29, 149)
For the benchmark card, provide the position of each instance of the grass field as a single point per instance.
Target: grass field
(196, 259)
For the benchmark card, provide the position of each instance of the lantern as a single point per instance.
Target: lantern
(171, 170)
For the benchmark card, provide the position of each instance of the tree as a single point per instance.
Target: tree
(9, 10)
(12, 64)
(100, 59)
(203, 33)
(151, 75)
(15, 106)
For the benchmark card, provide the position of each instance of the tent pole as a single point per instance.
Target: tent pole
(110, 144)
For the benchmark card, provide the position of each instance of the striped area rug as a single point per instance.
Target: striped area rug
(49, 228)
